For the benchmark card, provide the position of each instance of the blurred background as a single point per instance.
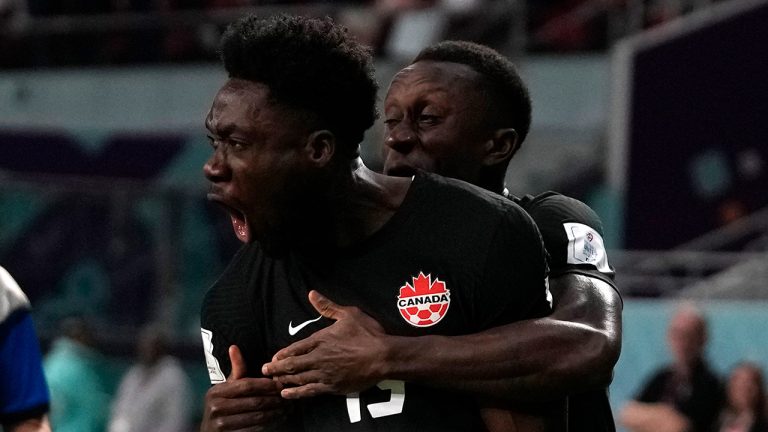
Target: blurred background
(653, 112)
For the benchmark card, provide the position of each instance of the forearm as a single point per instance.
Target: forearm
(493, 363)
(572, 350)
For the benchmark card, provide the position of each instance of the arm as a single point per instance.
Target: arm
(24, 395)
(573, 349)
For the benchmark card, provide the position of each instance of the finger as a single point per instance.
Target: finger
(244, 387)
(306, 391)
(299, 348)
(299, 378)
(238, 363)
(290, 364)
(325, 306)
(247, 420)
(223, 406)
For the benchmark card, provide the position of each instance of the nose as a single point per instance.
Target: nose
(401, 137)
(216, 168)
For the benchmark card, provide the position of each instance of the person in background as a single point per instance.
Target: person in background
(79, 394)
(23, 392)
(683, 396)
(154, 394)
(745, 405)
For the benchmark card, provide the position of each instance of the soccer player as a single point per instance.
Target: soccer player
(24, 395)
(461, 110)
(422, 255)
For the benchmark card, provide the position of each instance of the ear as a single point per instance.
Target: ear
(500, 147)
(320, 147)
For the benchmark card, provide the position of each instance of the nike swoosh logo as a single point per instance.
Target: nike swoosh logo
(293, 330)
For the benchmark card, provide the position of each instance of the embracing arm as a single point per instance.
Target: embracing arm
(574, 349)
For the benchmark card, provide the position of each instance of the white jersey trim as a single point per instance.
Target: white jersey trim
(214, 369)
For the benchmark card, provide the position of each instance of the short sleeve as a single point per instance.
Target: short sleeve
(573, 236)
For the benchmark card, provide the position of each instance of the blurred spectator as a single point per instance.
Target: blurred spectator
(684, 396)
(79, 396)
(401, 28)
(13, 14)
(745, 409)
(154, 394)
(23, 393)
(569, 25)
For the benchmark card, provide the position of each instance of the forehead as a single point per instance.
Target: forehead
(745, 372)
(238, 101)
(436, 77)
(687, 322)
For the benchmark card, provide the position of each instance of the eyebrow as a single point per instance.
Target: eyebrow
(218, 128)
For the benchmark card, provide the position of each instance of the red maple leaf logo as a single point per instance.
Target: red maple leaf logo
(422, 285)
(423, 303)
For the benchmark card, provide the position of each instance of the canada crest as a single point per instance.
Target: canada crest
(423, 302)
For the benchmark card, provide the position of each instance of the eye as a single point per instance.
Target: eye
(428, 119)
(392, 121)
(212, 141)
(236, 145)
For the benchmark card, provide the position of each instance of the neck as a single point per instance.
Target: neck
(491, 181)
(348, 207)
(687, 367)
(364, 202)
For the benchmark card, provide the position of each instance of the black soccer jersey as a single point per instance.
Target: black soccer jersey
(572, 233)
(573, 237)
(454, 259)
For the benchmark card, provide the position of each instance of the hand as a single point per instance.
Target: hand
(343, 358)
(242, 403)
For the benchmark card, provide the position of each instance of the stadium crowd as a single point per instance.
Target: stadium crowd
(42, 33)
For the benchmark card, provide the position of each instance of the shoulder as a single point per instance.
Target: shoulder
(469, 199)
(705, 374)
(238, 271)
(554, 209)
(229, 295)
(572, 233)
(12, 298)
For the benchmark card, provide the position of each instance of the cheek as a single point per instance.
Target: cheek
(443, 145)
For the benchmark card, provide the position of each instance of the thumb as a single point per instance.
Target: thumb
(325, 306)
(238, 363)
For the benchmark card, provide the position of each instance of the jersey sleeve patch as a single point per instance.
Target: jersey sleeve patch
(214, 370)
(585, 246)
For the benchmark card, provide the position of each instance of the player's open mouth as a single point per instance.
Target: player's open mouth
(240, 225)
(238, 218)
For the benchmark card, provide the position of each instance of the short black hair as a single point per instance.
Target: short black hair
(310, 64)
(505, 90)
